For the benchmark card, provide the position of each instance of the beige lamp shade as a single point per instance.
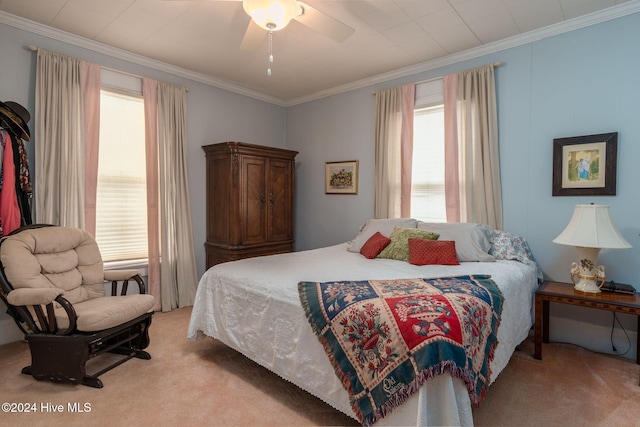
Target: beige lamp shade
(272, 15)
(591, 227)
(589, 230)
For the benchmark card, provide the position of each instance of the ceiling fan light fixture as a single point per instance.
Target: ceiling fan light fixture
(272, 15)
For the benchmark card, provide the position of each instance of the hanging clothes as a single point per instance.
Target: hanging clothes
(23, 162)
(9, 210)
(15, 181)
(1, 168)
(23, 179)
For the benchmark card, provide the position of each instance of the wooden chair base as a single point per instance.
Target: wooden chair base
(63, 358)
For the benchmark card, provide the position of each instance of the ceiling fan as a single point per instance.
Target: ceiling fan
(273, 15)
(268, 16)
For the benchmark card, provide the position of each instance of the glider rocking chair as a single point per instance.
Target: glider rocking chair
(53, 282)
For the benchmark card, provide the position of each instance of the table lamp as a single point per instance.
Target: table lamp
(589, 230)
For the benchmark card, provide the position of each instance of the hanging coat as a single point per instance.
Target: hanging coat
(9, 210)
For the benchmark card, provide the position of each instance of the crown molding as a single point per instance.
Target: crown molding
(594, 18)
(72, 39)
(628, 8)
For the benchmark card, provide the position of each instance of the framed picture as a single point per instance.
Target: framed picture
(585, 165)
(341, 177)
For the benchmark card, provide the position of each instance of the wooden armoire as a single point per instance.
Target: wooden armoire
(250, 191)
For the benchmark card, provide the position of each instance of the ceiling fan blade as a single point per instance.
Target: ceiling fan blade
(323, 23)
(253, 37)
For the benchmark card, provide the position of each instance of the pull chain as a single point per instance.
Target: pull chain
(270, 53)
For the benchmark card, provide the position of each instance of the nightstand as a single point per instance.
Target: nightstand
(564, 293)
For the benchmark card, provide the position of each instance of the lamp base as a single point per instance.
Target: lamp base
(585, 276)
(588, 286)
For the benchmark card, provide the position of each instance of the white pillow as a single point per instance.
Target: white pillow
(473, 241)
(384, 226)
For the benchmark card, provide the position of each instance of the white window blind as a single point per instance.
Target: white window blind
(429, 93)
(121, 201)
(427, 177)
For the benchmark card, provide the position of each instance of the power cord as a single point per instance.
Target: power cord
(613, 326)
(613, 347)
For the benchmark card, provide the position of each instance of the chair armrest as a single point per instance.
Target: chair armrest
(119, 275)
(33, 296)
(115, 276)
(36, 298)
(71, 315)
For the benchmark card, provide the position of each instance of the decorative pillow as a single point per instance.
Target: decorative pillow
(399, 246)
(472, 240)
(425, 252)
(374, 245)
(384, 226)
(509, 246)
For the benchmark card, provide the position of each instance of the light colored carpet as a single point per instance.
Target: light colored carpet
(205, 383)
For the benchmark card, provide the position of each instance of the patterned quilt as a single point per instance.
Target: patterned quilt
(385, 338)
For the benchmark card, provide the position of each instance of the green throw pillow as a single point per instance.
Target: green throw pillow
(399, 246)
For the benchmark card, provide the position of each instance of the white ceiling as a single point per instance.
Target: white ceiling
(204, 36)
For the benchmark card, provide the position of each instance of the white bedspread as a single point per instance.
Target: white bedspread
(252, 305)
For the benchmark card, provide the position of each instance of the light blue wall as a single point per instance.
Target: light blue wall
(214, 115)
(579, 83)
(331, 129)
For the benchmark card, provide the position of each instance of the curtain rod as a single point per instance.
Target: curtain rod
(34, 48)
(495, 64)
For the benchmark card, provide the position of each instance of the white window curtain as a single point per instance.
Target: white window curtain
(177, 268)
(59, 189)
(478, 166)
(394, 151)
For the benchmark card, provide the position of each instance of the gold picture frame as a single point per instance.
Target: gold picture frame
(341, 177)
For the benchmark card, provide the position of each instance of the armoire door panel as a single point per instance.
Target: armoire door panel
(254, 204)
(218, 176)
(280, 217)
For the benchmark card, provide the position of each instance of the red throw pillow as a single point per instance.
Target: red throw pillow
(425, 252)
(374, 245)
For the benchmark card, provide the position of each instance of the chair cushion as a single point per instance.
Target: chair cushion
(106, 312)
(55, 257)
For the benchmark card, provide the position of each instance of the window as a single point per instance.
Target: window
(427, 171)
(121, 200)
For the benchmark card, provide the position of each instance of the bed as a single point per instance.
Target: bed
(253, 306)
